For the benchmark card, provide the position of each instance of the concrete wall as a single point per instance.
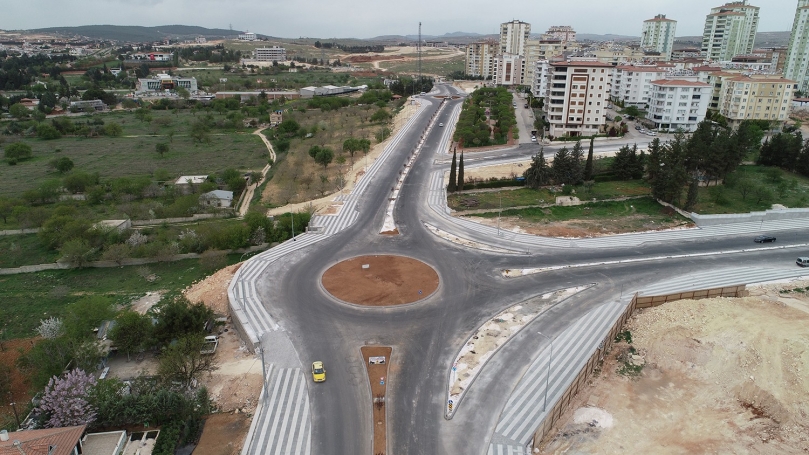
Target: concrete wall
(767, 215)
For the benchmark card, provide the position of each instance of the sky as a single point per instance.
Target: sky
(370, 18)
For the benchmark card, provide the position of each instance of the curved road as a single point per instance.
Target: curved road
(426, 336)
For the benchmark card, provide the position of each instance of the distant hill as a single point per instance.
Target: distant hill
(138, 33)
(607, 37)
(455, 37)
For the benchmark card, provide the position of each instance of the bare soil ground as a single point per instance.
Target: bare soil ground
(707, 376)
(19, 387)
(378, 376)
(389, 280)
(579, 228)
(213, 291)
(223, 434)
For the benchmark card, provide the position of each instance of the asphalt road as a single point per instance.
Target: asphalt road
(427, 335)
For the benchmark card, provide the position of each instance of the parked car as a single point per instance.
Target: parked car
(764, 239)
(803, 262)
(533, 138)
(526, 105)
(651, 133)
(318, 371)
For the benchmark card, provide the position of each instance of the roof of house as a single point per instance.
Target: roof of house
(39, 442)
(680, 83)
(194, 179)
(220, 194)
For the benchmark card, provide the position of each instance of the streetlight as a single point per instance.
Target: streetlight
(548, 376)
(498, 215)
(263, 367)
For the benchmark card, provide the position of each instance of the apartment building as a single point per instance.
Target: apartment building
(563, 33)
(577, 96)
(730, 30)
(617, 55)
(658, 35)
(539, 84)
(248, 36)
(756, 98)
(796, 65)
(678, 104)
(513, 36)
(270, 54)
(508, 69)
(632, 84)
(163, 82)
(480, 58)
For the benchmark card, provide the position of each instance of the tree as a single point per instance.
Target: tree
(132, 331)
(17, 151)
(565, 169)
(116, 253)
(183, 362)
(314, 150)
(576, 159)
(143, 115)
(460, 173)
(588, 166)
(632, 111)
(86, 314)
(65, 400)
(538, 174)
(184, 93)
(693, 194)
(6, 208)
(382, 115)
(50, 328)
(628, 164)
(19, 111)
(47, 132)
(453, 186)
(77, 252)
(178, 317)
(324, 157)
(161, 148)
(113, 129)
(63, 164)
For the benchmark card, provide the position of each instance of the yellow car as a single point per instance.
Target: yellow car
(318, 372)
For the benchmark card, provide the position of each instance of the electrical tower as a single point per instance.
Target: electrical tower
(419, 52)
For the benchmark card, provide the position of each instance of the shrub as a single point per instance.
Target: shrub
(17, 151)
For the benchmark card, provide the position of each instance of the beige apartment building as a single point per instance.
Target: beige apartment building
(513, 36)
(480, 58)
(756, 98)
(577, 96)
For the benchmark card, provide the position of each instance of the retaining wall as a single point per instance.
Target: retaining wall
(767, 215)
(595, 360)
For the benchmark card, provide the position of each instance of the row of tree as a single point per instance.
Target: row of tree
(788, 151)
(474, 128)
(456, 178)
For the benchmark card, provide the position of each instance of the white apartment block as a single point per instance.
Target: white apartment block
(577, 96)
(539, 85)
(480, 58)
(513, 36)
(658, 35)
(633, 84)
(756, 98)
(678, 104)
(796, 66)
(508, 69)
(248, 36)
(730, 30)
(564, 33)
(270, 54)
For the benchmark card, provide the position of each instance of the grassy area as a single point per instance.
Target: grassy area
(527, 196)
(614, 211)
(136, 156)
(19, 250)
(785, 188)
(439, 67)
(28, 298)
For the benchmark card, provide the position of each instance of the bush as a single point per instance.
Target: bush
(17, 151)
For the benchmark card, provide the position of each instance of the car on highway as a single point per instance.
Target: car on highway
(440, 124)
(764, 239)
(802, 261)
(318, 371)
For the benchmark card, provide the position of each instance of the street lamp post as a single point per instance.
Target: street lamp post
(548, 375)
(263, 367)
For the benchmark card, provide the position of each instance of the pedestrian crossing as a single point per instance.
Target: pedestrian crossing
(507, 449)
(550, 374)
(282, 424)
(722, 278)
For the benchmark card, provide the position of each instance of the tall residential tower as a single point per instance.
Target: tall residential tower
(658, 35)
(513, 36)
(730, 30)
(796, 66)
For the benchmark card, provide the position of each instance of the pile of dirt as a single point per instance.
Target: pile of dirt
(706, 376)
(380, 280)
(213, 290)
(223, 434)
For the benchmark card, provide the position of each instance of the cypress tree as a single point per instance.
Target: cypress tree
(460, 173)
(451, 186)
(588, 166)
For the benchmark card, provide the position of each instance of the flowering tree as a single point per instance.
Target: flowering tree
(65, 400)
(50, 328)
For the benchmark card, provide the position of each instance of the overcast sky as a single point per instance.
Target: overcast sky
(369, 18)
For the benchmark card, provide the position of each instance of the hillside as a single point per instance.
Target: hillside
(137, 33)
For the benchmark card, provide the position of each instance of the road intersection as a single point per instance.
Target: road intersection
(277, 301)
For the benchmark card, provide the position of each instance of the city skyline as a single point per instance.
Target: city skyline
(366, 19)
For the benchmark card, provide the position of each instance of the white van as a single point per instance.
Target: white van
(803, 262)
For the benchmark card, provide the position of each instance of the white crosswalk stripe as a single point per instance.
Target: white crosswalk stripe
(283, 426)
(723, 277)
(505, 449)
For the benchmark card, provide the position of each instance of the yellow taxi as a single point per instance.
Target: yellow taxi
(318, 372)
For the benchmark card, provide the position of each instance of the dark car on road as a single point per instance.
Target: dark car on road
(764, 239)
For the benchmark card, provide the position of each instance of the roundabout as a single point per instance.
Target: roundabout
(380, 280)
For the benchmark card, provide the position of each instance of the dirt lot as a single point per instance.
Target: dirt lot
(19, 390)
(223, 434)
(580, 228)
(388, 280)
(715, 376)
(378, 376)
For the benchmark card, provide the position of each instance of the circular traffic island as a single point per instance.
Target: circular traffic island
(382, 280)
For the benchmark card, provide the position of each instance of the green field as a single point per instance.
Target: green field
(438, 67)
(28, 298)
(788, 189)
(19, 250)
(526, 196)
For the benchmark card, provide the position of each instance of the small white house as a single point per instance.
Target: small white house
(217, 198)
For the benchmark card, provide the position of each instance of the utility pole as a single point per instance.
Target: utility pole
(263, 367)
(419, 51)
(14, 408)
(292, 218)
(498, 215)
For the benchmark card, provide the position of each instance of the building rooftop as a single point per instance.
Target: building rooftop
(220, 194)
(50, 441)
(191, 179)
(105, 443)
